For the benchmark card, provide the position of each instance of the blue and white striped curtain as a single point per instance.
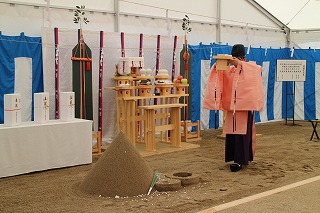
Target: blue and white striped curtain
(20, 71)
(307, 94)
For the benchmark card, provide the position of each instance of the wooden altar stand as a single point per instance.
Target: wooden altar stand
(96, 150)
(151, 128)
(140, 117)
(188, 136)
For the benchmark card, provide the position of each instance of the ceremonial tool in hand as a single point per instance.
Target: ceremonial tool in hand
(222, 61)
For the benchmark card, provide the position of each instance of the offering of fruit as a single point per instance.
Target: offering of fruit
(184, 81)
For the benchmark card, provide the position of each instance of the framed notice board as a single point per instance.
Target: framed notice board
(291, 70)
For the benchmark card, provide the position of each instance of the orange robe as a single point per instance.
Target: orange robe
(236, 92)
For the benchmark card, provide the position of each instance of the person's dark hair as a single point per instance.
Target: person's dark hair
(238, 51)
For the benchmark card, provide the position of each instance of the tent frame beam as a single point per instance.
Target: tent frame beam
(283, 26)
(269, 15)
(306, 30)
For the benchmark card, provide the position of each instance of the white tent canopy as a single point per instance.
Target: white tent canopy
(296, 14)
(261, 22)
(256, 23)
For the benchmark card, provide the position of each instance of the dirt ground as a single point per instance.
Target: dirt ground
(284, 156)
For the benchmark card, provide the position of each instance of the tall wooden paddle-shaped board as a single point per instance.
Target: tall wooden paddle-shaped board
(186, 72)
(82, 80)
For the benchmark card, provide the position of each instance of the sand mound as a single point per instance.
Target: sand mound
(120, 171)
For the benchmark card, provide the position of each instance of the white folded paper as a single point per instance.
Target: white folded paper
(41, 107)
(12, 109)
(67, 106)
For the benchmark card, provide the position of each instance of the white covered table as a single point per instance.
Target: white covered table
(34, 147)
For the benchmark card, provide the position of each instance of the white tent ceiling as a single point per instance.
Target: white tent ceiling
(255, 23)
(296, 14)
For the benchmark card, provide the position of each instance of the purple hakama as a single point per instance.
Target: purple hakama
(238, 147)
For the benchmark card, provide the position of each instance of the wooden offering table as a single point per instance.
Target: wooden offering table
(151, 128)
(141, 113)
(132, 117)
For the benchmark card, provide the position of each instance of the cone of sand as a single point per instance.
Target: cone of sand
(120, 171)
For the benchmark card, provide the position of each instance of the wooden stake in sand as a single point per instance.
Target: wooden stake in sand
(119, 172)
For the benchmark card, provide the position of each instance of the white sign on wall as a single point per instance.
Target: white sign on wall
(291, 70)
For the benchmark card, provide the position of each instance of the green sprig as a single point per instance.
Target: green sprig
(79, 15)
(186, 24)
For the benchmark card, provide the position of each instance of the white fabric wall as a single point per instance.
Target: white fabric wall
(19, 18)
(299, 101)
(265, 74)
(68, 39)
(253, 37)
(63, 18)
(317, 77)
(277, 105)
(204, 11)
(160, 17)
(306, 39)
(205, 113)
(23, 85)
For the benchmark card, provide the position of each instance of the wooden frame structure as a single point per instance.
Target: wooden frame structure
(151, 128)
(97, 149)
(139, 118)
(187, 135)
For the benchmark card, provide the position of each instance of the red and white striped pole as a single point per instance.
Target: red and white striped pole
(157, 64)
(56, 65)
(175, 39)
(101, 69)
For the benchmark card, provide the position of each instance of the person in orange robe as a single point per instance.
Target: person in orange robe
(239, 93)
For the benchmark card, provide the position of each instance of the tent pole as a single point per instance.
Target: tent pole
(289, 43)
(116, 20)
(218, 36)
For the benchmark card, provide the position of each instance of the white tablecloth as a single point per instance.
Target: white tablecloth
(34, 147)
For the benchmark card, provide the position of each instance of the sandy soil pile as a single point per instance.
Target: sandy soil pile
(119, 172)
